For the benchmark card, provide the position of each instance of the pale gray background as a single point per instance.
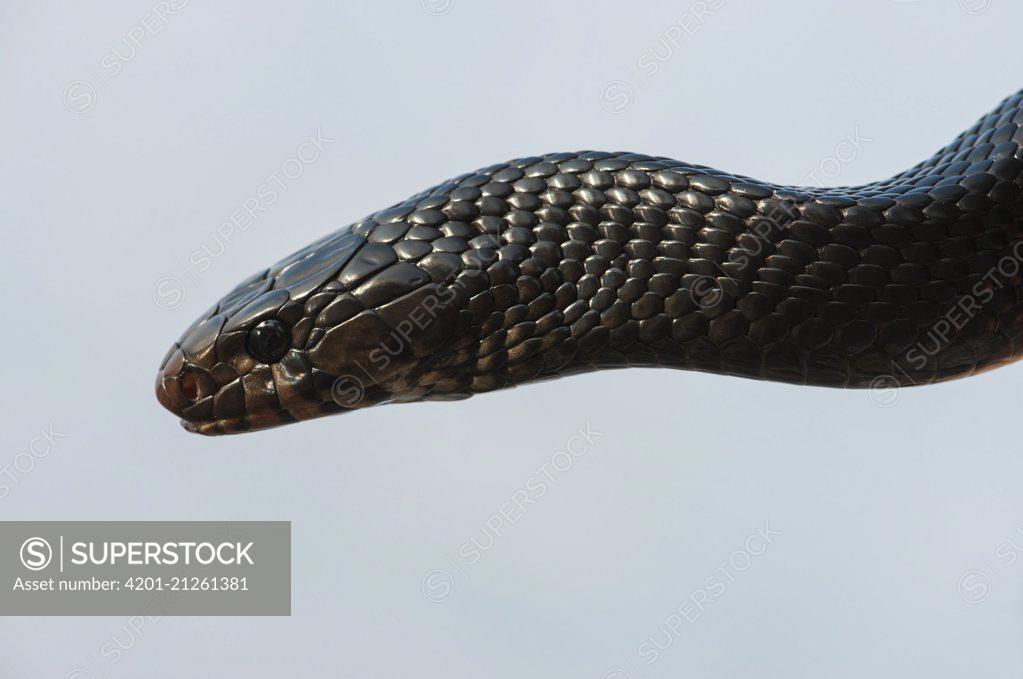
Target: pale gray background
(895, 520)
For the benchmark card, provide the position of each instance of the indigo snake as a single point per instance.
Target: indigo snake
(570, 262)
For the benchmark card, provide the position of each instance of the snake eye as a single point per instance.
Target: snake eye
(269, 341)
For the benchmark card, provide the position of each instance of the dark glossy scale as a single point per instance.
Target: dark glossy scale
(570, 262)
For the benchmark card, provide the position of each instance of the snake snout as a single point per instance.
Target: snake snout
(183, 389)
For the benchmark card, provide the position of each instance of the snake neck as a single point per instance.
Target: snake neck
(632, 260)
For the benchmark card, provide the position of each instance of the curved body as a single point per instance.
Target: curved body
(571, 262)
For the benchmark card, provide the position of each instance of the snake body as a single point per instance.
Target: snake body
(571, 262)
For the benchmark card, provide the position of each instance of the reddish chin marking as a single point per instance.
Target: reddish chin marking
(189, 386)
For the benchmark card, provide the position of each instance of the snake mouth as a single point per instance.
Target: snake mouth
(204, 428)
(236, 425)
(259, 421)
(240, 424)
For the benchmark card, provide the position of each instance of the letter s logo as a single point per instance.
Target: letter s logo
(36, 554)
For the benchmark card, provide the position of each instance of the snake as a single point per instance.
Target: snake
(554, 265)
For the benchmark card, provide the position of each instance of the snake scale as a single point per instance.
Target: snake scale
(571, 262)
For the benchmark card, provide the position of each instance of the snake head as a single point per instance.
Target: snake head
(339, 325)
